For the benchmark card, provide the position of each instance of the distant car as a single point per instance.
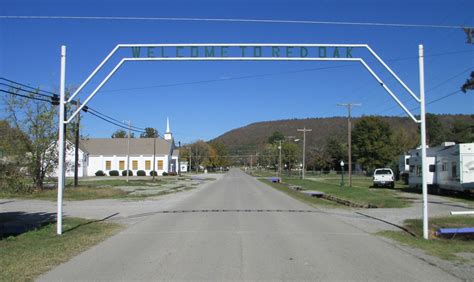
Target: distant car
(384, 177)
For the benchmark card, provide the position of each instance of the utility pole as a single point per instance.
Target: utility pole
(179, 158)
(154, 154)
(279, 159)
(251, 162)
(304, 130)
(190, 160)
(128, 149)
(349, 136)
(76, 145)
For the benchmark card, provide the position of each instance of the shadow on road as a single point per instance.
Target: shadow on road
(16, 223)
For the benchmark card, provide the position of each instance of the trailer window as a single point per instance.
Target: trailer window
(454, 170)
(432, 168)
(407, 161)
(444, 167)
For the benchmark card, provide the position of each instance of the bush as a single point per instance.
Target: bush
(99, 173)
(165, 173)
(153, 173)
(124, 173)
(12, 179)
(141, 173)
(114, 173)
(172, 173)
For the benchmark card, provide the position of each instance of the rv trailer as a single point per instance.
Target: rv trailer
(450, 167)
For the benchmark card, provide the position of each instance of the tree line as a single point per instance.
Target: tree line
(375, 144)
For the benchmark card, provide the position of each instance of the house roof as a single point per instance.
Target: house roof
(118, 146)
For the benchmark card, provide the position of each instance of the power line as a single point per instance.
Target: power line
(431, 89)
(233, 20)
(25, 96)
(94, 112)
(27, 86)
(114, 123)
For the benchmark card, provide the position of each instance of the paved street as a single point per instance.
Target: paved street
(237, 228)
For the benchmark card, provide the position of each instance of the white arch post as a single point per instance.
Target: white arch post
(304, 56)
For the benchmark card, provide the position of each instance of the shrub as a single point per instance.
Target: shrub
(12, 180)
(153, 173)
(141, 173)
(114, 173)
(172, 173)
(99, 173)
(124, 173)
(165, 173)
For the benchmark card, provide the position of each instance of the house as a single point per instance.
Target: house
(450, 167)
(109, 154)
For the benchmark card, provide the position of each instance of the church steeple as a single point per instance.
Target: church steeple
(168, 134)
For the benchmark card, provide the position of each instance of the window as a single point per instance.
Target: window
(147, 165)
(444, 167)
(418, 170)
(108, 165)
(412, 168)
(135, 165)
(122, 165)
(454, 169)
(432, 168)
(407, 161)
(160, 165)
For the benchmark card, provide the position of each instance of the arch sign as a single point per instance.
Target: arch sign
(241, 52)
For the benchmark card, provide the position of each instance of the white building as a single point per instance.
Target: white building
(110, 154)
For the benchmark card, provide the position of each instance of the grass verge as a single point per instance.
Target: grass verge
(25, 257)
(108, 189)
(313, 201)
(445, 248)
(380, 197)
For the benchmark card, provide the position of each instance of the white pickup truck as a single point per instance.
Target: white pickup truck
(384, 177)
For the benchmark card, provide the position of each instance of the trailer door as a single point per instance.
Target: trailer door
(467, 169)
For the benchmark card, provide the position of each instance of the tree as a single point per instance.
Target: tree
(462, 132)
(372, 140)
(37, 121)
(10, 141)
(318, 159)
(336, 150)
(435, 131)
(469, 84)
(403, 142)
(120, 133)
(289, 153)
(275, 137)
(200, 153)
(220, 154)
(149, 133)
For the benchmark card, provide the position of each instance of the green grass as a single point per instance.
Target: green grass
(313, 201)
(380, 197)
(445, 248)
(25, 257)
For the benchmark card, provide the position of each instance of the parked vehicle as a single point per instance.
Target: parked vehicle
(450, 167)
(384, 177)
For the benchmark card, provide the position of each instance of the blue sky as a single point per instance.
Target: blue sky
(148, 92)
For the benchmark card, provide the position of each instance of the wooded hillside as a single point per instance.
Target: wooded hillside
(253, 137)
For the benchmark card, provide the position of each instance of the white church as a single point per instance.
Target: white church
(109, 154)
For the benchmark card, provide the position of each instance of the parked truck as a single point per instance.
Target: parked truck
(450, 167)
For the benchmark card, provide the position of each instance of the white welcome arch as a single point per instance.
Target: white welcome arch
(258, 55)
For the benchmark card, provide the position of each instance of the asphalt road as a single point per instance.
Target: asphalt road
(240, 229)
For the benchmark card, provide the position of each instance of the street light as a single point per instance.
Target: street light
(342, 173)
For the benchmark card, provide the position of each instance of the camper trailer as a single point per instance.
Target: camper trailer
(450, 167)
